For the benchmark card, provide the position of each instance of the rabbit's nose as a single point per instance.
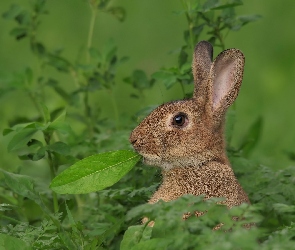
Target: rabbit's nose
(133, 138)
(133, 141)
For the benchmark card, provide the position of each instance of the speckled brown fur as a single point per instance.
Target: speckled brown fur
(192, 156)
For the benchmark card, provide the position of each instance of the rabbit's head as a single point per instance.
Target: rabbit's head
(190, 132)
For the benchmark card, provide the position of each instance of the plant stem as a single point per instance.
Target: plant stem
(91, 29)
(10, 219)
(33, 99)
(190, 23)
(93, 5)
(52, 173)
(47, 138)
(74, 75)
(182, 88)
(218, 35)
(80, 204)
(88, 112)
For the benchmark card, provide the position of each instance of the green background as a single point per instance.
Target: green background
(148, 35)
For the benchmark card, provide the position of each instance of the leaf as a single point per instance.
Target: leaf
(182, 58)
(39, 48)
(60, 148)
(95, 172)
(118, 12)
(243, 20)
(95, 54)
(291, 155)
(139, 80)
(14, 10)
(284, 208)
(217, 5)
(156, 243)
(7, 131)
(8, 242)
(19, 33)
(134, 235)
(21, 138)
(24, 185)
(34, 143)
(40, 154)
(59, 124)
(167, 77)
(59, 63)
(6, 207)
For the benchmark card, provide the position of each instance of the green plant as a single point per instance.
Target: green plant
(52, 137)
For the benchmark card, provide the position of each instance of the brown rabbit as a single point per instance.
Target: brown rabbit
(185, 138)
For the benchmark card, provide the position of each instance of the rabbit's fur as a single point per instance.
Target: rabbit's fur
(185, 138)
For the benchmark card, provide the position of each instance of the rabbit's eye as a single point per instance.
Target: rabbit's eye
(179, 120)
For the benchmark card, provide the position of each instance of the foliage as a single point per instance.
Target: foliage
(35, 217)
(95, 172)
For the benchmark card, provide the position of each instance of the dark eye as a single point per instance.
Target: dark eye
(179, 120)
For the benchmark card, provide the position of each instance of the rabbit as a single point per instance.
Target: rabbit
(185, 138)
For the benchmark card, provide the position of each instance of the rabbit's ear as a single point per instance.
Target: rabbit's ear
(225, 78)
(201, 65)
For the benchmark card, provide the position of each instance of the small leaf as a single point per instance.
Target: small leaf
(14, 10)
(40, 154)
(139, 80)
(118, 12)
(182, 58)
(167, 77)
(134, 235)
(34, 143)
(21, 138)
(7, 207)
(284, 208)
(243, 20)
(24, 185)
(39, 49)
(95, 172)
(95, 54)
(8, 242)
(59, 124)
(155, 243)
(62, 127)
(7, 131)
(60, 63)
(60, 148)
(19, 33)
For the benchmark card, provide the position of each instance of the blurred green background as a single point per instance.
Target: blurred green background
(149, 34)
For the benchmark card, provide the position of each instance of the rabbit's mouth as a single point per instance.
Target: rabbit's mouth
(150, 159)
(155, 160)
